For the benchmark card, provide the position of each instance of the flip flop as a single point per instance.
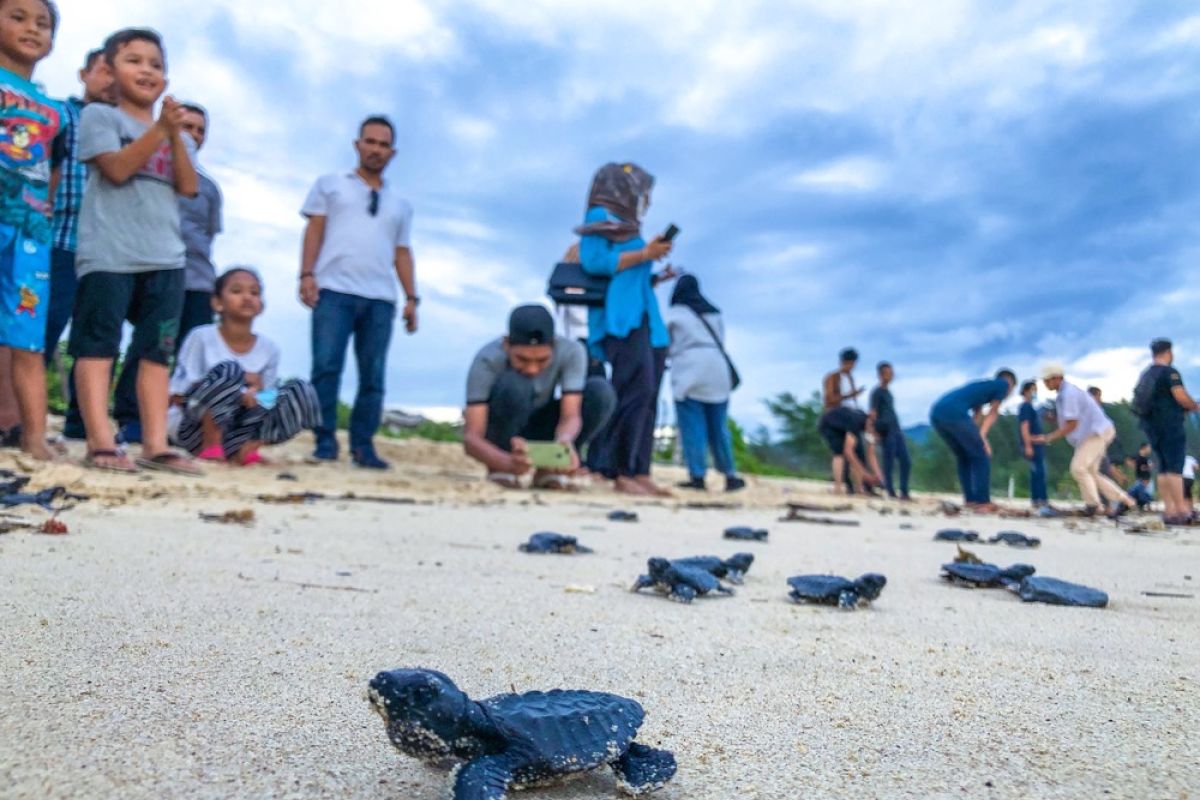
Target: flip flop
(90, 462)
(214, 453)
(170, 462)
(554, 483)
(254, 458)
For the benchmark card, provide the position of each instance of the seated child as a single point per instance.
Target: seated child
(225, 401)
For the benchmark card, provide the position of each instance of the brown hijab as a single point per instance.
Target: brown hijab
(622, 189)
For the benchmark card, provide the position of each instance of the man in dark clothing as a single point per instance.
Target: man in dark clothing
(843, 429)
(1031, 426)
(960, 419)
(1165, 405)
(1142, 475)
(891, 435)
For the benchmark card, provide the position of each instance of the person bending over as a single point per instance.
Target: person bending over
(842, 429)
(511, 400)
(960, 419)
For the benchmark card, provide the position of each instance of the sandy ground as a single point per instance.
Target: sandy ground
(150, 654)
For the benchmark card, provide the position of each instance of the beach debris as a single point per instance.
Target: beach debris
(46, 498)
(286, 476)
(515, 740)
(732, 569)
(678, 581)
(11, 482)
(711, 505)
(949, 509)
(54, 527)
(622, 516)
(307, 585)
(820, 509)
(796, 517)
(986, 576)
(966, 557)
(241, 516)
(956, 535)
(11, 522)
(553, 543)
(579, 588)
(303, 498)
(1174, 595)
(831, 590)
(907, 526)
(746, 534)
(1036, 589)
(1015, 539)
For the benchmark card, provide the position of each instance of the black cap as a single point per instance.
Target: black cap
(1160, 346)
(849, 354)
(531, 324)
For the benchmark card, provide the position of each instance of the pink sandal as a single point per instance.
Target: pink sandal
(252, 459)
(214, 453)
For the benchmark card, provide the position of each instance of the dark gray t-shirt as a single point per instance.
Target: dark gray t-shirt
(200, 217)
(567, 370)
(131, 227)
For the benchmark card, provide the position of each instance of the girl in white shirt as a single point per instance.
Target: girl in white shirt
(225, 399)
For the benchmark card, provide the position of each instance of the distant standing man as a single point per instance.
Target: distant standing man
(839, 389)
(1083, 423)
(200, 222)
(887, 428)
(1032, 447)
(960, 419)
(356, 247)
(1163, 404)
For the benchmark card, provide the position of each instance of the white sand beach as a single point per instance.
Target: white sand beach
(152, 654)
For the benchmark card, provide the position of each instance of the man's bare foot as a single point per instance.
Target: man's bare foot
(41, 451)
(626, 485)
(504, 479)
(653, 488)
(985, 508)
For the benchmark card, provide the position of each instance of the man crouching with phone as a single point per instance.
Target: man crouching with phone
(515, 423)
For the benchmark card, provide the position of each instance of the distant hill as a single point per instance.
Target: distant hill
(919, 433)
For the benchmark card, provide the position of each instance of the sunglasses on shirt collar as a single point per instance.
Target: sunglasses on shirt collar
(373, 208)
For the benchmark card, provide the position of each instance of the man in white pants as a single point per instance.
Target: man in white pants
(1083, 423)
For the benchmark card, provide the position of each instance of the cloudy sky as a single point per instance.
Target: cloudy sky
(954, 186)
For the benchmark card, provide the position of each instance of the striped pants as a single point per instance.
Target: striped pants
(219, 395)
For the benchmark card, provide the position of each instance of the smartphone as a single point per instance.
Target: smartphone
(549, 455)
(670, 233)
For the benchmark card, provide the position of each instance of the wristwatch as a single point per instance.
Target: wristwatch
(414, 299)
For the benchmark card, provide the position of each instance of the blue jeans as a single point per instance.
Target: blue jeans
(974, 466)
(62, 300)
(1038, 493)
(336, 318)
(895, 448)
(705, 426)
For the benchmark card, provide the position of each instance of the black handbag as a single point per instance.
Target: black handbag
(735, 380)
(571, 285)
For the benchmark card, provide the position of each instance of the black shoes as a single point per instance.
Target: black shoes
(696, 484)
(734, 484)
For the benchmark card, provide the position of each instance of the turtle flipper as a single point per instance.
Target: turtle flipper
(643, 582)
(682, 593)
(485, 778)
(848, 599)
(643, 769)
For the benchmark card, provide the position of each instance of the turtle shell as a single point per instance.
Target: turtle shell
(710, 564)
(560, 732)
(1061, 593)
(819, 588)
(696, 577)
(746, 534)
(974, 574)
(552, 543)
(956, 535)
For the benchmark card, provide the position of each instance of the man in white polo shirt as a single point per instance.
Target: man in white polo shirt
(356, 248)
(1083, 423)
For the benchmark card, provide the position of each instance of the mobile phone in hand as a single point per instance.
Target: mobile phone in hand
(549, 455)
(670, 233)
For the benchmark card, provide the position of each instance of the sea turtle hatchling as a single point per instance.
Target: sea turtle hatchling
(732, 569)
(1015, 539)
(516, 741)
(553, 543)
(679, 581)
(1037, 589)
(985, 576)
(746, 534)
(956, 535)
(831, 590)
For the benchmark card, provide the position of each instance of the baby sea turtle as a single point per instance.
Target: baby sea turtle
(745, 534)
(983, 576)
(1060, 593)
(830, 590)
(679, 581)
(622, 516)
(516, 741)
(732, 569)
(553, 543)
(956, 535)
(1014, 539)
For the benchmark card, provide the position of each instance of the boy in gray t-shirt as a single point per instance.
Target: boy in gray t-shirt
(130, 254)
(511, 399)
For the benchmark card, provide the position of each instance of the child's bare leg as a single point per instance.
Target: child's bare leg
(210, 434)
(29, 381)
(10, 411)
(153, 399)
(838, 467)
(92, 378)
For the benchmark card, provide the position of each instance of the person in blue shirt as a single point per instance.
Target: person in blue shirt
(628, 331)
(1030, 427)
(960, 420)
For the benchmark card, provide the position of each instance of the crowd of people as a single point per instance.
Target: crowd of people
(108, 218)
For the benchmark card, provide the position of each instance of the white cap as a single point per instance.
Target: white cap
(1052, 370)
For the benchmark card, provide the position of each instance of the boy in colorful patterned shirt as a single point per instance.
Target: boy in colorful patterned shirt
(131, 253)
(29, 122)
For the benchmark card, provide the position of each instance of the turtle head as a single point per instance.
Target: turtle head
(658, 567)
(870, 585)
(1018, 572)
(427, 716)
(740, 562)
